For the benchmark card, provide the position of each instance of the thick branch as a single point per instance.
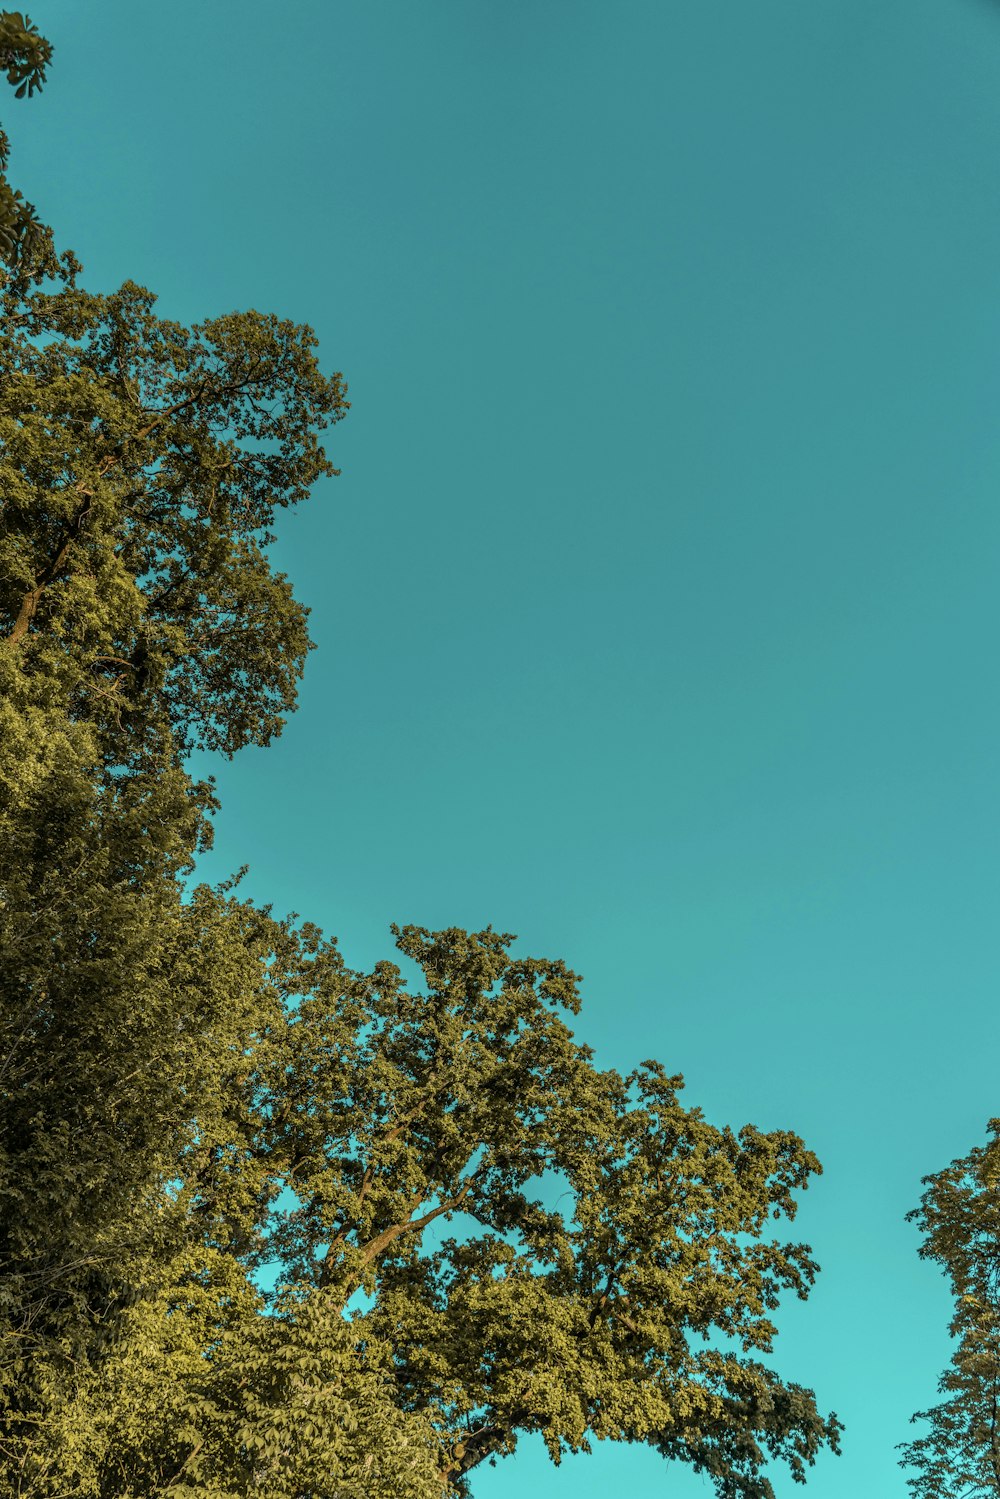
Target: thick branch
(52, 568)
(605, 1295)
(399, 1128)
(485, 1440)
(381, 1242)
(377, 1245)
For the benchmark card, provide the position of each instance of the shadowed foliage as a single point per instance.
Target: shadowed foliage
(24, 57)
(142, 466)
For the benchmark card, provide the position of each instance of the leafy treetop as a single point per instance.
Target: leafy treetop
(543, 1245)
(142, 463)
(518, 1240)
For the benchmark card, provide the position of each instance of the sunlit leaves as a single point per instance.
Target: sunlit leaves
(142, 465)
(958, 1453)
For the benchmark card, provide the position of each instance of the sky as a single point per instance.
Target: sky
(656, 605)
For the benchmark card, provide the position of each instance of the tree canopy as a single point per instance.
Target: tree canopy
(959, 1215)
(597, 1231)
(496, 1235)
(142, 464)
(268, 1222)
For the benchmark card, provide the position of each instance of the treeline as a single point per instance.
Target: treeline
(194, 1090)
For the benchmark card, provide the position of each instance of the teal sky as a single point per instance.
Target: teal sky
(657, 605)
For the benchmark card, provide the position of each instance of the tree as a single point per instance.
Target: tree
(469, 1103)
(195, 1089)
(140, 465)
(24, 57)
(497, 1236)
(959, 1216)
(475, 1231)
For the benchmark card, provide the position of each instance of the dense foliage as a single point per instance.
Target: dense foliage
(269, 1224)
(24, 57)
(142, 465)
(195, 1090)
(959, 1452)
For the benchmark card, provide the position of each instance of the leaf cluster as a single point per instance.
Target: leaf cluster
(24, 58)
(142, 465)
(959, 1215)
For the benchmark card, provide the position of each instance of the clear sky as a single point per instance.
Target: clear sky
(657, 605)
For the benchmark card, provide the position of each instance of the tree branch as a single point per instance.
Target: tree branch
(30, 601)
(479, 1444)
(381, 1242)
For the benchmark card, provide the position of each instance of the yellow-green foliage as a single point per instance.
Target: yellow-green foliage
(141, 465)
(204, 1396)
(24, 57)
(472, 1230)
(957, 1456)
